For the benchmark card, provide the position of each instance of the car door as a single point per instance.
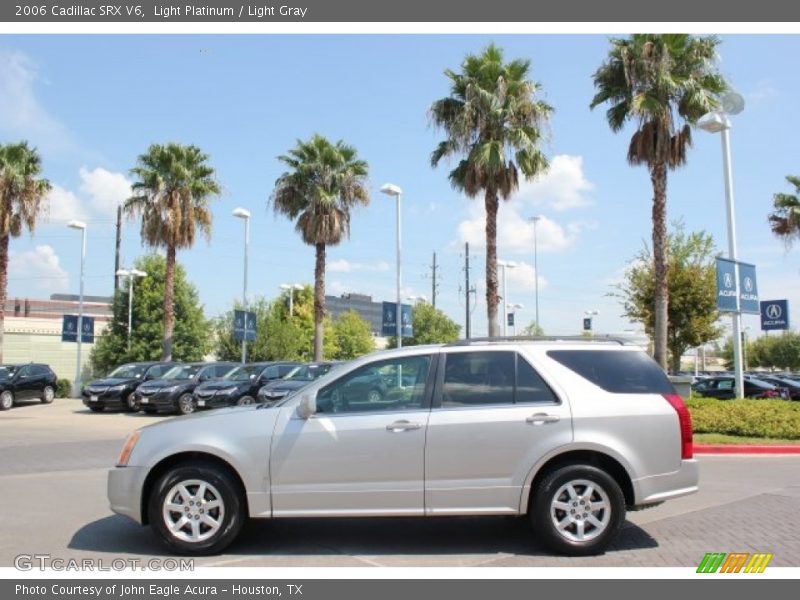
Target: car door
(356, 456)
(24, 383)
(493, 417)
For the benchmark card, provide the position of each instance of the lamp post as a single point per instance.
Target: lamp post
(513, 307)
(395, 192)
(291, 287)
(81, 226)
(130, 274)
(505, 264)
(535, 220)
(244, 214)
(718, 122)
(591, 314)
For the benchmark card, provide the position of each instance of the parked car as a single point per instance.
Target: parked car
(33, 381)
(117, 389)
(791, 387)
(723, 388)
(240, 386)
(569, 433)
(173, 391)
(296, 379)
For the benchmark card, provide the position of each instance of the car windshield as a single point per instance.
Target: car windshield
(181, 372)
(7, 372)
(244, 373)
(307, 372)
(132, 371)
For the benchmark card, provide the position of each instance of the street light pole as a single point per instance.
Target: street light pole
(535, 220)
(244, 214)
(130, 274)
(81, 226)
(395, 191)
(514, 308)
(505, 264)
(291, 287)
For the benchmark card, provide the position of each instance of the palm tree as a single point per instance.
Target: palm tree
(662, 83)
(172, 186)
(492, 120)
(21, 194)
(785, 219)
(323, 183)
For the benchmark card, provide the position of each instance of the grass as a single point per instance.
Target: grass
(721, 439)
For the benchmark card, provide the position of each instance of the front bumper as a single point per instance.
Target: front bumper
(657, 488)
(125, 491)
(216, 401)
(161, 401)
(105, 399)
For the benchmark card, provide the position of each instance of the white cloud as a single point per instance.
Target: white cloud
(62, 206)
(41, 264)
(104, 189)
(345, 266)
(515, 233)
(763, 91)
(521, 279)
(563, 187)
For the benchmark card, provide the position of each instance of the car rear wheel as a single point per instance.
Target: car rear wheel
(196, 508)
(186, 404)
(48, 393)
(6, 400)
(577, 510)
(133, 403)
(245, 401)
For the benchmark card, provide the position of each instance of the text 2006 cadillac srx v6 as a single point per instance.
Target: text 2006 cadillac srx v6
(569, 433)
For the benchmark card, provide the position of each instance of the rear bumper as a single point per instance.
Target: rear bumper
(125, 491)
(657, 488)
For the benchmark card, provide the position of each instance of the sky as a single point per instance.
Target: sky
(91, 104)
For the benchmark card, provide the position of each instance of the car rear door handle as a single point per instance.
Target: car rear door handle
(542, 418)
(403, 425)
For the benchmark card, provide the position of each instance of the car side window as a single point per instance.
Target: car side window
(478, 378)
(270, 373)
(24, 371)
(395, 384)
(222, 370)
(530, 385)
(725, 384)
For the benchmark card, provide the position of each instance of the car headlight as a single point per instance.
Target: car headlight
(170, 389)
(117, 388)
(122, 461)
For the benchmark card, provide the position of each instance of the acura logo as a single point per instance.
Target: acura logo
(728, 280)
(774, 311)
(748, 284)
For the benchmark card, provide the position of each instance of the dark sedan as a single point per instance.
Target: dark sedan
(117, 390)
(240, 386)
(722, 388)
(26, 382)
(173, 392)
(297, 378)
(792, 386)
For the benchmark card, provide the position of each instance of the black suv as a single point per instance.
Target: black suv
(240, 386)
(117, 390)
(33, 381)
(173, 392)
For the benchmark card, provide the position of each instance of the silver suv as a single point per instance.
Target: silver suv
(569, 433)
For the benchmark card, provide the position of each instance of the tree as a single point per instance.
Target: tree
(21, 194)
(192, 338)
(353, 336)
(663, 83)
(533, 329)
(492, 120)
(172, 187)
(431, 326)
(323, 183)
(691, 282)
(785, 219)
(770, 352)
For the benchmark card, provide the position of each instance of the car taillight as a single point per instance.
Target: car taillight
(685, 420)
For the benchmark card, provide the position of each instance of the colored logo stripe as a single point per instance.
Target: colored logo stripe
(758, 563)
(734, 563)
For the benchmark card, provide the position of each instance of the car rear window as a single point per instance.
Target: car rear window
(617, 372)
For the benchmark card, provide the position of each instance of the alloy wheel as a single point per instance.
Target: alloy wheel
(193, 510)
(580, 510)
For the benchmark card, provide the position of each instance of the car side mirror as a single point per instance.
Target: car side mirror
(307, 406)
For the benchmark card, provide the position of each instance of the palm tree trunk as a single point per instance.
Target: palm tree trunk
(3, 289)
(658, 176)
(490, 202)
(169, 304)
(319, 301)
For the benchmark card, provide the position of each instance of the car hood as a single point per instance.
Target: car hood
(221, 385)
(112, 381)
(158, 384)
(285, 385)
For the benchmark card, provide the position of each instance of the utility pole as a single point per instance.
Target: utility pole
(118, 246)
(468, 291)
(434, 282)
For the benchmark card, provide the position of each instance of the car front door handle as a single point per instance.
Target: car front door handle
(403, 425)
(542, 418)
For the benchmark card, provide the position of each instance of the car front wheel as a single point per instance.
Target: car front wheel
(6, 400)
(245, 401)
(133, 402)
(186, 404)
(196, 508)
(577, 510)
(48, 393)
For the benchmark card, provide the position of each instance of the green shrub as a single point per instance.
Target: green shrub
(63, 388)
(755, 418)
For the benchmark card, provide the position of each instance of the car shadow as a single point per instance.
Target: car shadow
(341, 536)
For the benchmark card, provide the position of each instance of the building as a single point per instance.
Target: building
(368, 310)
(33, 330)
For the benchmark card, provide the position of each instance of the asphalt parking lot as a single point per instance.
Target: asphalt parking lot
(53, 477)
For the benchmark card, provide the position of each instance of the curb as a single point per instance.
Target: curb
(746, 449)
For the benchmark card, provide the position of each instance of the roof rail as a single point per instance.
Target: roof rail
(539, 338)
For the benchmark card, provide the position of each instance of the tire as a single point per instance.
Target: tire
(186, 405)
(97, 408)
(374, 396)
(245, 401)
(208, 538)
(561, 492)
(132, 403)
(6, 400)
(48, 394)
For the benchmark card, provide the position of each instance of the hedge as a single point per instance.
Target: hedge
(755, 418)
(63, 388)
